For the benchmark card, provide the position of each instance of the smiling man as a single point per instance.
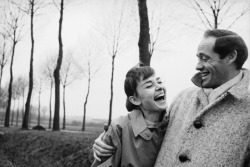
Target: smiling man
(209, 125)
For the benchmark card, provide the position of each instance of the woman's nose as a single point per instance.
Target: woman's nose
(159, 87)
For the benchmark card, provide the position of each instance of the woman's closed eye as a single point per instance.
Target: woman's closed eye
(149, 85)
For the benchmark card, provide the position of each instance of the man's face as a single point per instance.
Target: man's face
(213, 70)
(152, 94)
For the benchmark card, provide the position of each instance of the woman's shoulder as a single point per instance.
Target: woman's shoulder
(121, 121)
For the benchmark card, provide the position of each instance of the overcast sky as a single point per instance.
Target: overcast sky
(174, 59)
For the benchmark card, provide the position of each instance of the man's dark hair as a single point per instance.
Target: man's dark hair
(133, 77)
(226, 42)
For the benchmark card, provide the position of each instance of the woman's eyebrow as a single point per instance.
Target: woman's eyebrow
(149, 81)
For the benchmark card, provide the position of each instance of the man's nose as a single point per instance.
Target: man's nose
(199, 66)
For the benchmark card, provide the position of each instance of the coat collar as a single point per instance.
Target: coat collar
(141, 127)
(239, 90)
(138, 122)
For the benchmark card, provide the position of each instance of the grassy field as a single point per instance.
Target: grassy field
(32, 148)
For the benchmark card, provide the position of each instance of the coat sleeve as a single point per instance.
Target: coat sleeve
(112, 138)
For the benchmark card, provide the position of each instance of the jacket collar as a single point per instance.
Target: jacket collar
(137, 121)
(141, 127)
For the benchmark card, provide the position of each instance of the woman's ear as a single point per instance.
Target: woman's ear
(134, 100)
(231, 58)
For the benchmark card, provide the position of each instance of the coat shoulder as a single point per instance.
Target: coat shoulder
(121, 121)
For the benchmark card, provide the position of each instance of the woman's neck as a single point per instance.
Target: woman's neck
(151, 116)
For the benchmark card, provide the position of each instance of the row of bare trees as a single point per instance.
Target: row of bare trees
(63, 70)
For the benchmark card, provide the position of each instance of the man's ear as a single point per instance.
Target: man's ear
(134, 100)
(231, 58)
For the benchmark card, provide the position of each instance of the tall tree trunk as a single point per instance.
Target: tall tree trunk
(7, 114)
(50, 98)
(56, 123)
(86, 101)
(64, 108)
(23, 106)
(215, 22)
(39, 106)
(27, 105)
(17, 114)
(111, 90)
(144, 38)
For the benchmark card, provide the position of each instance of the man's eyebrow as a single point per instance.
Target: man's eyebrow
(158, 78)
(201, 55)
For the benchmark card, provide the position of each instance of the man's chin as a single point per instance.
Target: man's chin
(206, 85)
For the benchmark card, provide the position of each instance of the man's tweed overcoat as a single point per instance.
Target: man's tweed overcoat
(208, 135)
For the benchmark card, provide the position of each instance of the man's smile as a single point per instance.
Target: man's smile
(204, 74)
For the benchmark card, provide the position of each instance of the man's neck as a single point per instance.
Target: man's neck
(215, 93)
(233, 74)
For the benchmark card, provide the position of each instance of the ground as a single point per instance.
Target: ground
(30, 148)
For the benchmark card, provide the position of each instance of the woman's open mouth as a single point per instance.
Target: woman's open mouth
(160, 97)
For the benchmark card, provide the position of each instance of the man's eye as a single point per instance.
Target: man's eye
(203, 59)
(159, 82)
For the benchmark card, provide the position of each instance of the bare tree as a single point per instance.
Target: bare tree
(50, 64)
(154, 18)
(4, 55)
(34, 6)
(161, 24)
(68, 74)
(116, 35)
(13, 19)
(90, 65)
(56, 122)
(3, 61)
(39, 86)
(214, 13)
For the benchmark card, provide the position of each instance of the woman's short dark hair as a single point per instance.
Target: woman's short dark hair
(133, 77)
(228, 41)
